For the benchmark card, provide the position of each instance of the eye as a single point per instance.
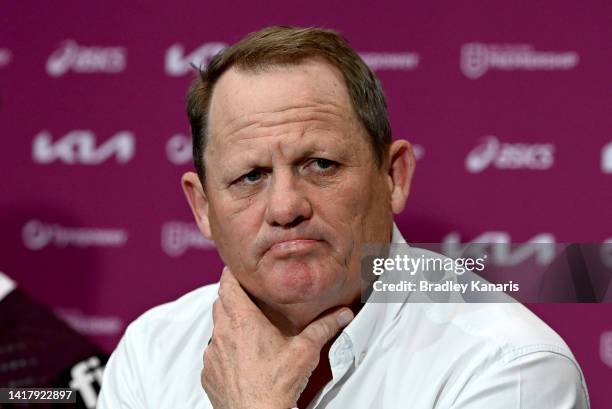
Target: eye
(251, 178)
(323, 165)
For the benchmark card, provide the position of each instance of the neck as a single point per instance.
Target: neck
(291, 319)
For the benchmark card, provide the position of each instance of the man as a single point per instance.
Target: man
(296, 172)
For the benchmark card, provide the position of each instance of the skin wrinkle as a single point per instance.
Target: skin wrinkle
(278, 123)
(330, 99)
(293, 112)
(288, 153)
(284, 145)
(306, 128)
(295, 187)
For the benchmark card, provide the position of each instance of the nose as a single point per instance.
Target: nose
(288, 204)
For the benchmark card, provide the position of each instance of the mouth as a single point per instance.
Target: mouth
(294, 247)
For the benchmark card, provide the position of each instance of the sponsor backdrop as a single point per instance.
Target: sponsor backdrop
(507, 105)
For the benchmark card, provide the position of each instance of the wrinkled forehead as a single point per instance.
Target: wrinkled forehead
(277, 93)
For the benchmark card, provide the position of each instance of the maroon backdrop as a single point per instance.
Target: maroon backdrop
(508, 103)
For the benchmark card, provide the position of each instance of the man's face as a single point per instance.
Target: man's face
(292, 186)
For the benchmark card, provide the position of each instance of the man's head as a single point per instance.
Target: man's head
(296, 169)
(277, 46)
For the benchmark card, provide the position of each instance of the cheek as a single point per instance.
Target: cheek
(344, 199)
(356, 199)
(234, 232)
(347, 212)
(363, 206)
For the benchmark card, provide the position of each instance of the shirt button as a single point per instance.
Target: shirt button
(342, 350)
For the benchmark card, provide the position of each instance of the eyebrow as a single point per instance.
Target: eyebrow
(252, 158)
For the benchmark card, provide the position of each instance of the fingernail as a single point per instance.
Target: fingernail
(345, 317)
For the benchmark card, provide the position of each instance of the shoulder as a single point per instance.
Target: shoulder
(172, 322)
(504, 325)
(512, 354)
(484, 346)
(181, 310)
(182, 326)
(161, 350)
(483, 355)
(508, 329)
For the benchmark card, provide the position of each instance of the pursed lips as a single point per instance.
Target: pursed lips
(292, 243)
(292, 246)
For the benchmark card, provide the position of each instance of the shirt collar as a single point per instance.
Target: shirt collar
(6, 285)
(373, 317)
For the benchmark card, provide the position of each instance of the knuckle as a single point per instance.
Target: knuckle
(306, 353)
(303, 346)
(323, 332)
(320, 332)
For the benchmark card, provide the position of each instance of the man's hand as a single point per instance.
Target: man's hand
(249, 363)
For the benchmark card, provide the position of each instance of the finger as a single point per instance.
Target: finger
(323, 329)
(221, 320)
(217, 305)
(219, 313)
(227, 277)
(232, 294)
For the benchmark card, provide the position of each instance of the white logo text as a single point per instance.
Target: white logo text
(79, 147)
(178, 237)
(403, 61)
(178, 149)
(37, 235)
(177, 63)
(502, 251)
(80, 59)
(509, 155)
(606, 158)
(478, 58)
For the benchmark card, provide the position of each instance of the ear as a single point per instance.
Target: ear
(196, 197)
(401, 168)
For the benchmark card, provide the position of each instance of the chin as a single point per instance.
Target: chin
(295, 281)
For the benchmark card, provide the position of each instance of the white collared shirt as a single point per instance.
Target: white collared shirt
(392, 355)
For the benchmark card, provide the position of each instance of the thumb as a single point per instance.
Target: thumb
(324, 328)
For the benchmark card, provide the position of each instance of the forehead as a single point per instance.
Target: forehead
(246, 96)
